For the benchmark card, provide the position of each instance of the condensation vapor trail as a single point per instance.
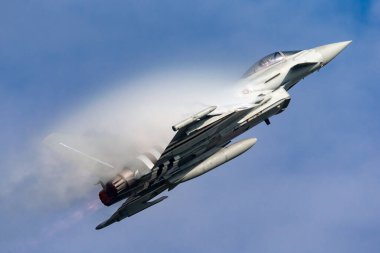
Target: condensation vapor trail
(112, 130)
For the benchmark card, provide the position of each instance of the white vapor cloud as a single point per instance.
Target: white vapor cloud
(114, 127)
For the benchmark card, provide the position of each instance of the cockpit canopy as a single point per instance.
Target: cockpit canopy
(268, 61)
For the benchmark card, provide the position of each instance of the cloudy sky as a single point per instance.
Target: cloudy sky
(311, 183)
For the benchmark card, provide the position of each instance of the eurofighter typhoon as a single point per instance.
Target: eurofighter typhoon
(202, 142)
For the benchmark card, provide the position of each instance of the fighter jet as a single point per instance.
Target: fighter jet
(202, 142)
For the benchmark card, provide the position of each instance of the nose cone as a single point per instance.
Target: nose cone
(328, 52)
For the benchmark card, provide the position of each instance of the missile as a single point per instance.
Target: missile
(222, 156)
(193, 118)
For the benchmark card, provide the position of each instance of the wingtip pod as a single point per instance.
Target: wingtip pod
(103, 225)
(100, 226)
(127, 210)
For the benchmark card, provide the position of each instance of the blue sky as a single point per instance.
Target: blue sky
(311, 183)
